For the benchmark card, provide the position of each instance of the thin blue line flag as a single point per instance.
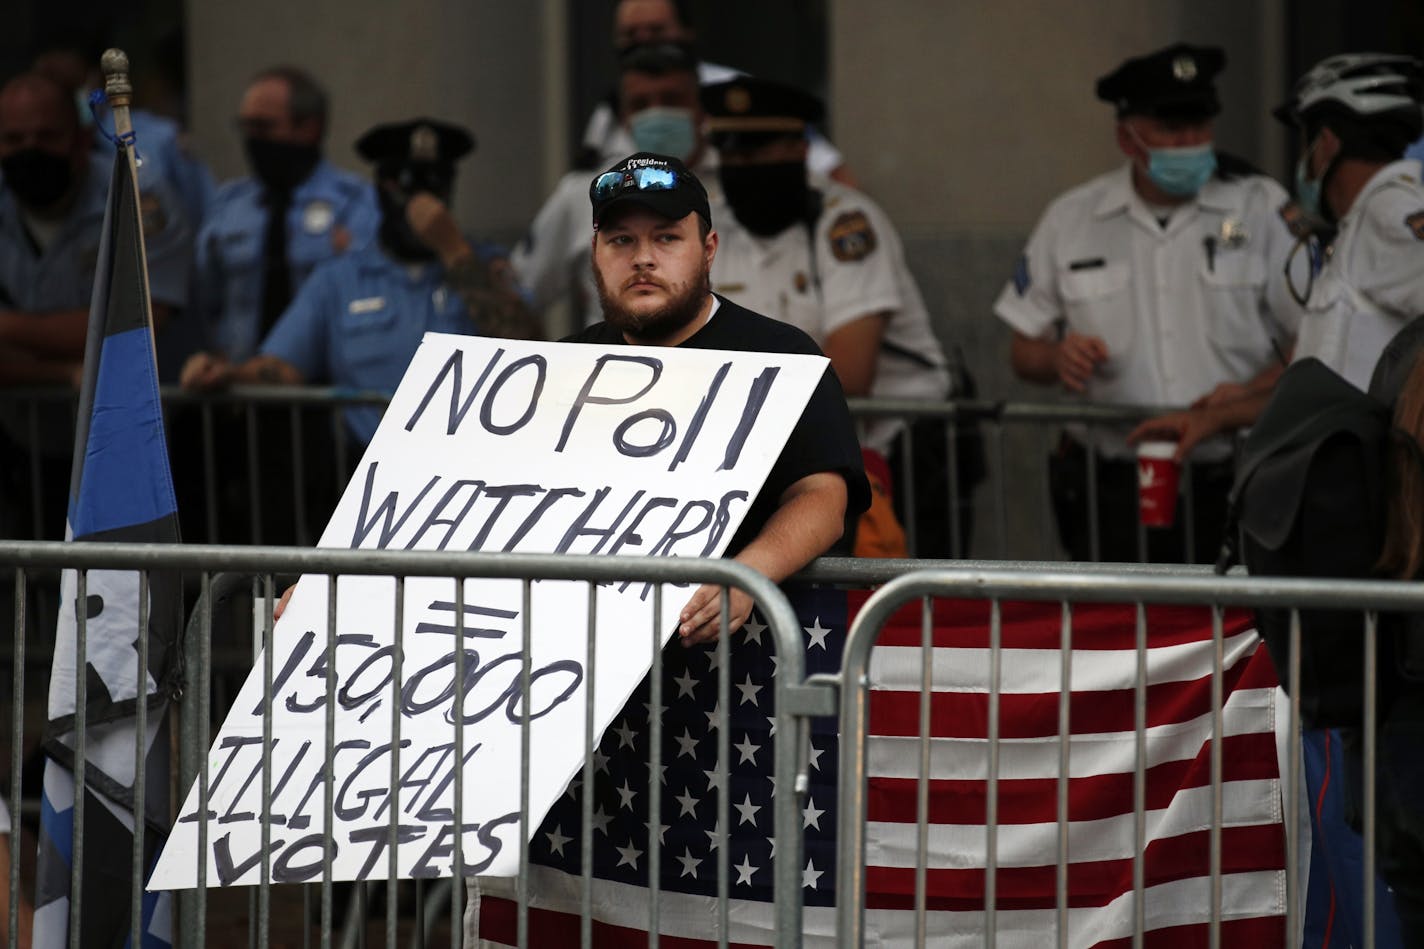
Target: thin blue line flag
(120, 490)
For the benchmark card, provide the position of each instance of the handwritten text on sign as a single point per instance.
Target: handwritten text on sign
(488, 445)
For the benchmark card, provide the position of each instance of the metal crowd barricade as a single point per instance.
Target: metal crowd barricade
(232, 490)
(1124, 585)
(195, 713)
(1034, 426)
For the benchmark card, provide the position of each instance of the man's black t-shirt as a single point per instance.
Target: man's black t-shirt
(823, 439)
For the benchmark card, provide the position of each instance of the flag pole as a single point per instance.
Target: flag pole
(118, 89)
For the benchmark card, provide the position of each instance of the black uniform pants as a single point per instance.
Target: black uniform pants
(1117, 516)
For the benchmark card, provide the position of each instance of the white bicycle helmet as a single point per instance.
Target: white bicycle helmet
(1367, 86)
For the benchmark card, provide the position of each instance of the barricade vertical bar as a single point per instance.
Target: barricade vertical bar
(1293, 881)
(907, 456)
(1065, 707)
(140, 812)
(457, 876)
(586, 802)
(922, 784)
(724, 784)
(524, 750)
(1001, 503)
(1139, 786)
(81, 711)
(1095, 544)
(956, 548)
(1371, 763)
(17, 724)
(264, 888)
(655, 758)
(1045, 500)
(37, 526)
(338, 438)
(991, 816)
(1218, 693)
(254, 494)
(1189, 525)
(393, 829)
(299, 480)
(203, 687)
(210, 473)
(328, 791)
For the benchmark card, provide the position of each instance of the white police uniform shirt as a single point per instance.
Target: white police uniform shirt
(228, 287)
(606, 137)
(1182, 307)
(554, 258)
(1373, 280)
(852, 266)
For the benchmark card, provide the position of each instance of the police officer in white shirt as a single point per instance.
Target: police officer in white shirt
(1158, 283)
(661, 111)
(1358, 113)
(824, 257)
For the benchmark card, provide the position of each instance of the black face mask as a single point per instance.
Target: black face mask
(766, 199)
(280, 166)
(37, 178)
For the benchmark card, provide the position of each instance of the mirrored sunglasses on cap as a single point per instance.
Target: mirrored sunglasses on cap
(610, 184)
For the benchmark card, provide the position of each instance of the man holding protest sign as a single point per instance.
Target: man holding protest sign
(653, 247)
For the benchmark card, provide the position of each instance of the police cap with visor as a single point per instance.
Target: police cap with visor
(416, 154)
(1177, 82)
(745, 112)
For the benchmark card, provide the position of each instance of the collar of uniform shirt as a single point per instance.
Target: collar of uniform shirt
(1119, 193)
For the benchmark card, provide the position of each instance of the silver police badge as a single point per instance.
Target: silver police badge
(318, 216)
(1184, 69)
(1233, 233)
(424, 144)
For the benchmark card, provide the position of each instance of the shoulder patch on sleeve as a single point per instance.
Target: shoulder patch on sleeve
(1021, 277)
(852, 238)
(1415, 223)
(1294, 219)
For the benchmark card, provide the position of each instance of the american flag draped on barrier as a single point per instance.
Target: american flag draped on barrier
(1101, 835)
(120, 490)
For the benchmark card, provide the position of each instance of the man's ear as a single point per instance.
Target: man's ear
(709, 247)
(1127, 142)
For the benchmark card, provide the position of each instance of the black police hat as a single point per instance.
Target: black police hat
(1176, 82)
(660, 183)
(425, 141)
(756, 108)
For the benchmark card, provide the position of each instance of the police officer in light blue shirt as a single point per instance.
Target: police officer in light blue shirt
(71, 58)
(248, 264)
(358, 320)
(51, 219)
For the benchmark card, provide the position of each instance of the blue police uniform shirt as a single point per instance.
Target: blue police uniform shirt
(229, 253)
(357, 322)
(159, 140)
(61, 276)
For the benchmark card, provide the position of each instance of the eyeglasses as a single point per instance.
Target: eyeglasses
(648, 178)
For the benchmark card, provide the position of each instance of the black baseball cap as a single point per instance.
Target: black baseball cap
(660, 183)
(1177, 82)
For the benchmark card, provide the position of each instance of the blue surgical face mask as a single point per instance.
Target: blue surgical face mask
(664, 130)
(1308, 190)
(1181, 172)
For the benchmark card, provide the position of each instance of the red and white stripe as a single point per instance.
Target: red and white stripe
(1101, 772)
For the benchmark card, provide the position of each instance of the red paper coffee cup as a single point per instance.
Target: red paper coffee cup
(1157, 477)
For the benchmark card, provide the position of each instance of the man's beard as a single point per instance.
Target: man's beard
(663, 322)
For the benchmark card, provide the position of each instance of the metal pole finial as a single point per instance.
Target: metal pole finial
(115, 65)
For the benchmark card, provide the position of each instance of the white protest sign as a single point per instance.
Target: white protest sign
(492, 445)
